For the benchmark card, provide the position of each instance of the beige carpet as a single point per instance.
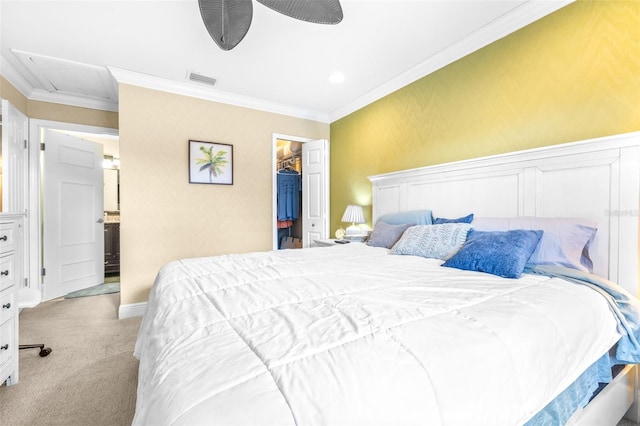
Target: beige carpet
(90, 377)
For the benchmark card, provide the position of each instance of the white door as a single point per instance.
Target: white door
(315, 191)
(73, 234)
(15, 176)
(15, 129)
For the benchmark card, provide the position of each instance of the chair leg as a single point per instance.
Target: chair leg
(43, 351)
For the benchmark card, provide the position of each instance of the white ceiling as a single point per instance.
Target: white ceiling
(70, 51)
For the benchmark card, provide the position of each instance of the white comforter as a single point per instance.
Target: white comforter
(351, 335)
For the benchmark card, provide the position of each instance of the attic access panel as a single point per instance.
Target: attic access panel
(67, 77)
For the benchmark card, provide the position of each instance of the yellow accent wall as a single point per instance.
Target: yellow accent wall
(163, 216)
(572, 75)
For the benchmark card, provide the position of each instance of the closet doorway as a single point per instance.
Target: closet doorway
(300, 191)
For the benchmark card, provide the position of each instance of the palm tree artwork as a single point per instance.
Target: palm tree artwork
(213, 162)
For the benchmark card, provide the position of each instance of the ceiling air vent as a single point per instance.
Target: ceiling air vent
(199, 78)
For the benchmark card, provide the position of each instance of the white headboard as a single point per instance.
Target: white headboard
(597, 179)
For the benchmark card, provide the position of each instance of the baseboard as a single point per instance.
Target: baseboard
(132, 310)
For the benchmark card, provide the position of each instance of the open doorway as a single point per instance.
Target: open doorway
(310, 159)
(76, 272)
(289, 188)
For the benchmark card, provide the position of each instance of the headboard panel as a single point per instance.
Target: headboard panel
(598, 179)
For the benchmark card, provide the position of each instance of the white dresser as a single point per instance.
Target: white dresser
(11, 272)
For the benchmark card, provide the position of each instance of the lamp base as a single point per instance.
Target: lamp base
(353, 231)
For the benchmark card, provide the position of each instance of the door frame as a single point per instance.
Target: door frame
(274, 180)
(35, 188)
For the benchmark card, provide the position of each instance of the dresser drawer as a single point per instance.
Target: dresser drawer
(7, 341)
(7, 237)
(7, 271)
(7, 306)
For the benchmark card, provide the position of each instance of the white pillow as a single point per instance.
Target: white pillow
(565, 241)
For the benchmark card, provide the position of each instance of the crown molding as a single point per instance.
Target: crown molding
(71, 100)
(508, 23)
(192, 90)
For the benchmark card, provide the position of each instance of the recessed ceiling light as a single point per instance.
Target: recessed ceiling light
(336, 77)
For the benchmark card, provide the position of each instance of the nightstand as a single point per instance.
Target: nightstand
(325, 242)
(332, 242)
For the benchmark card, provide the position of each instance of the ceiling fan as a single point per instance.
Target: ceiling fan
(228, 21)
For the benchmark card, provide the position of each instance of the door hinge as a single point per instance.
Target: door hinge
(26, 282)
(42, 146)
(44, 272)
(26, 144)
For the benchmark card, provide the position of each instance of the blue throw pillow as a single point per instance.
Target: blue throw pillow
(502, 253)
(465, 219)
(413, 217)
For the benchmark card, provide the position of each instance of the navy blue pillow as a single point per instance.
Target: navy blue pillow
(465, 219)
(502, 253)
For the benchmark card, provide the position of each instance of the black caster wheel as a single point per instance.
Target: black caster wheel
(44, 352)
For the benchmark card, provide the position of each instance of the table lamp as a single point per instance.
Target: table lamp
(353, 214)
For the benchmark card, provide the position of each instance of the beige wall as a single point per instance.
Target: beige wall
(163, 217)
(11, 94)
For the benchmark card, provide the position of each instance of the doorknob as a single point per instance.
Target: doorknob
(313, 225)
(101, 220)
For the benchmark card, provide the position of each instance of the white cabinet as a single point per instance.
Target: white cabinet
(11, 234)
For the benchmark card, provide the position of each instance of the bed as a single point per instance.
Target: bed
(363, 334)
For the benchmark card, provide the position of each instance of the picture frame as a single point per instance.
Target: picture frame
(210, 163)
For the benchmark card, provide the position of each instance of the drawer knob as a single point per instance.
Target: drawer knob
(3, 238)
(5, 347)
(4, 273)
(6, 306)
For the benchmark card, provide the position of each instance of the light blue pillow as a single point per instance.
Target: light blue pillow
(385, 235)
(413, 217)
(565, 241)
(464, 219)
(502, 253)
(432, 241)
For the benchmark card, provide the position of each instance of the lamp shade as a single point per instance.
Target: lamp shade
(353, 214)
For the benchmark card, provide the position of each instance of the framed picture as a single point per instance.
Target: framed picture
(210, 162)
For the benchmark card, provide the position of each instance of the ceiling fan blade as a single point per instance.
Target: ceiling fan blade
(316, 11)
(227, 21)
